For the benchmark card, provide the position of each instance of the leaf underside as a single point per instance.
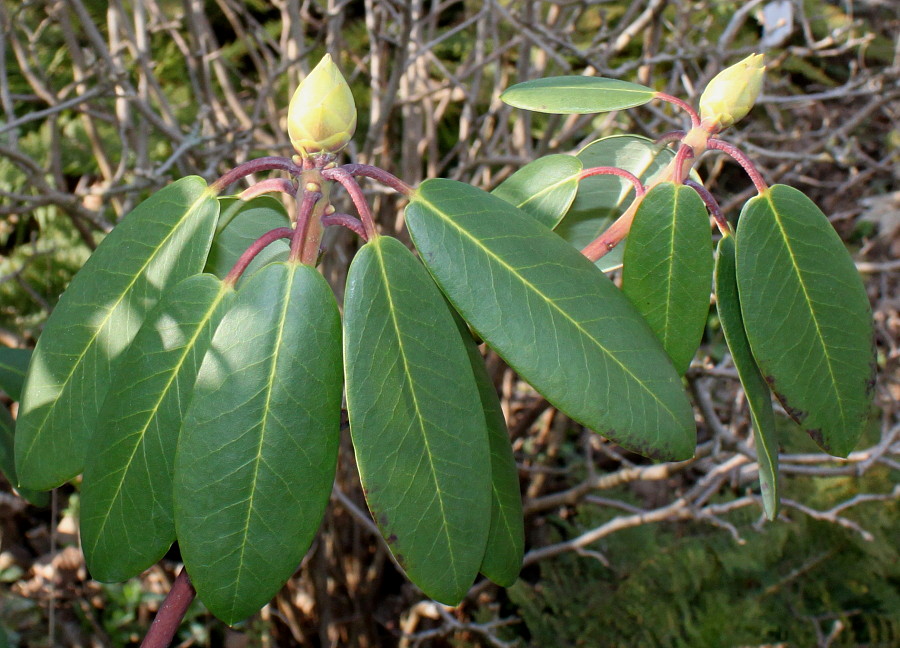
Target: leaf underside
(257, 452)
(576, 94)
(543, 189)
(127, 515)
(553, 317)
(418, 429)
(807, 316)
(164, 240)
(669, 266)
(757, 392)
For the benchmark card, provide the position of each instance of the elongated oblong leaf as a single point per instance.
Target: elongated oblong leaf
(162, 241)
(418, 429)
(13, 365)
(544, 188)
(127, 515)
(553, 316)
(576, 94)
(7, 459)
(240, 224)
(755, 388)
(502, 560)
(806, 315)
(669, 267)
(258, 448)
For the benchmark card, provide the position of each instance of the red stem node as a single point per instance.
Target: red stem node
(272, 185)
(301, 227)
(271, 163)
(375, 173)
(350, 185)
(741, 158)
(346, 220)
(616, 171)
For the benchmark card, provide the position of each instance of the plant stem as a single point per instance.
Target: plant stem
(272, 185)
(375, 173)
(616, 171)
(681, 169)
(255, 248)
(271, 163)
(170, 615)
(671, 136)
(346, 220)
(302, 226)
(741, 158)
(346, 180)
(603, 244)
(712, 205)
(695, 118)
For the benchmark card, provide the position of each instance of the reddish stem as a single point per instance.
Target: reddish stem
(255, 248)
(616, 171)
(301, 227)
(695, 118)
(603, 244)
(346, 220)
(346, 180)
(684, 154)
(671, 136)
(172, 612)
(712, 205)
(272, 185)
(271, 163)
(741, 158)
(375, 173)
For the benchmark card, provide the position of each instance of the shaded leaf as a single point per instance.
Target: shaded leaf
(505, 549)
(576, 94)
(416, 420)
(755, 388)
(553, 316)
(162, 241)
(13, 365)
(257, 452)
(7, 459)
(543, 189)
(603, 198)
(807, 316)
(127, 515)
(240, 225)
(669, 266)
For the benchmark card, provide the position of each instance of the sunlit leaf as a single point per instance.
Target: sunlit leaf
(257, 452)
(669, 266)
(544, 189)
(553, 316)
(162, 241)
(576, 94)
(240, 224)
(807, 316)
(418, 428)
(755, 388)
(13, 365)
(127, 516)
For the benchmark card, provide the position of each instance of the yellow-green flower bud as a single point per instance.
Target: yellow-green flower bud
(322, 115)
(732, 93)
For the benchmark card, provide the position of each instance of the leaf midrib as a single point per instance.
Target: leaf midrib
(204, 195)
(550, 302)
(546, 190)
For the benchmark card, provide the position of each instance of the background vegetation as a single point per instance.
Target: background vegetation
(103, 102)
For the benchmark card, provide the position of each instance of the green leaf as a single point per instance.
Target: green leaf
(603, 198)
(755, 388)
(257, 452)
(502, 560)
(162, 241)
(807, 316)
(669, 266)
(240, 225)
(416, 420)
(552, 316)
(576, 94)
(13, 365)
(127, 515)
(7, 459)
(544, 188)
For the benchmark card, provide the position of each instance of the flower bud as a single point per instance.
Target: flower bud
(732, 93)
(322, 114)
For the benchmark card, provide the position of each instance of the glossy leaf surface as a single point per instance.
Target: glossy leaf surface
(240, 224)
(415, 417)
(502, 560)
(544, 189)
(13, 365)
(7, 459)
(576, 94)
(755, 388)
(553, 316)
(602, 198)
(162, 241)
(257, 451)
(127, 515)
(807, 316)
(669, 266)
